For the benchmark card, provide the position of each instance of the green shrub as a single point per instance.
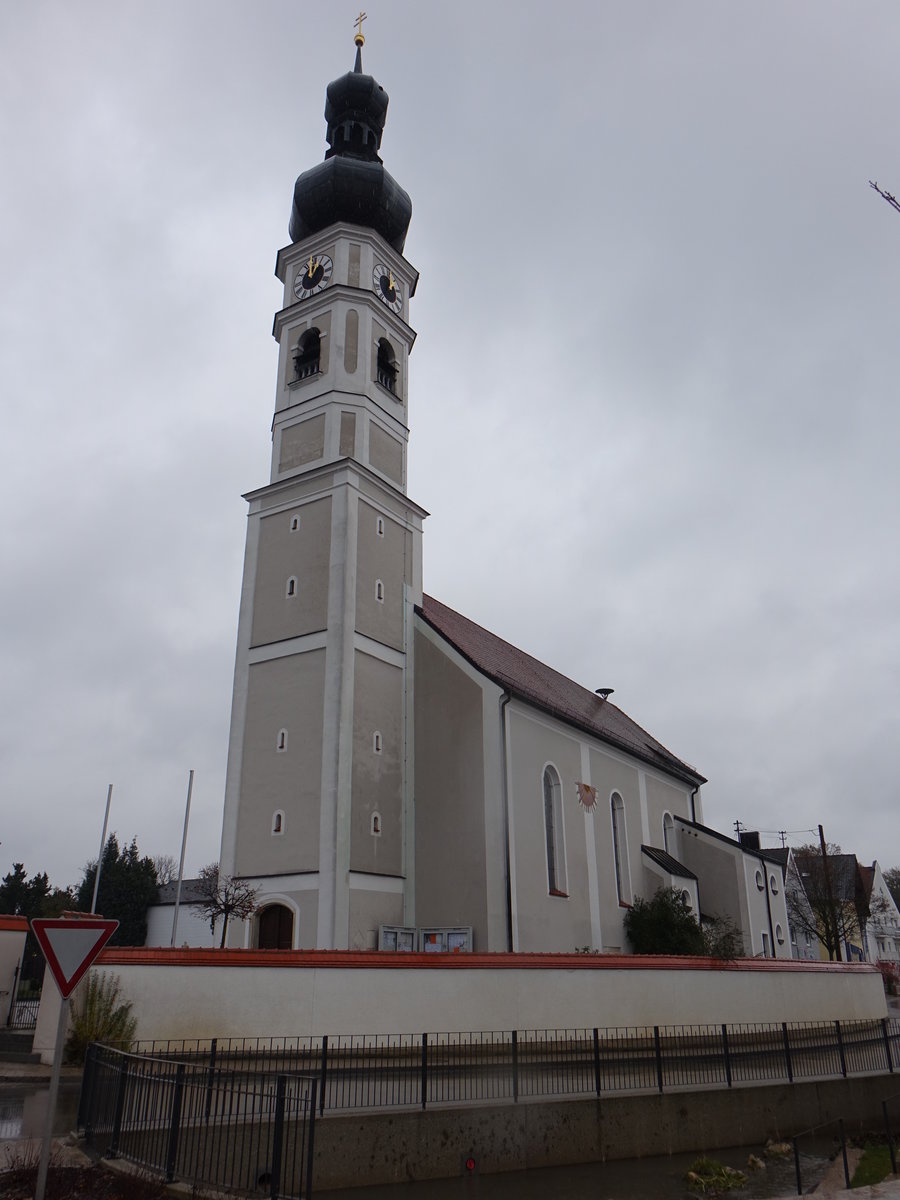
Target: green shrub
(100, 1016)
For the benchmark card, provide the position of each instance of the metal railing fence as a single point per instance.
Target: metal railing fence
(890, 1112)
(404, 1070)
(208, 1126)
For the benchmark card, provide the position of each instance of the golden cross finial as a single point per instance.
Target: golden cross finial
(358, 37)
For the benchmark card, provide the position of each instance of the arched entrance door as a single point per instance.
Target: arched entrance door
(276, 928)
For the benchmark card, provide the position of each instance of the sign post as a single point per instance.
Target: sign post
(69, 946)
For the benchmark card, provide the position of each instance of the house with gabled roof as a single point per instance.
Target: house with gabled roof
(882, 930)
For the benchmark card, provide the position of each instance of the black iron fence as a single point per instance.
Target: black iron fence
(25, 993)
(249, 1130)
(890, 1113)
(384, 1070)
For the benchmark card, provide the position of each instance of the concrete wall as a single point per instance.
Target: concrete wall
(395, 1147)
(246, 993)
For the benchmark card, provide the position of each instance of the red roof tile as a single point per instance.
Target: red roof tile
(533, 681)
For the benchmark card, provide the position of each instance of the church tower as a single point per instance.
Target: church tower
(318, 799)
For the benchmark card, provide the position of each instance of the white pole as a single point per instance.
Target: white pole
(187, 813)
(51, 1099)
(102, 845)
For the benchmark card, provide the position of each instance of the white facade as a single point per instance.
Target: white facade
(390, 762)
(883, 925)
(13, 932)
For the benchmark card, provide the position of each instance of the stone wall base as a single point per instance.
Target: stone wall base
(400, 1146)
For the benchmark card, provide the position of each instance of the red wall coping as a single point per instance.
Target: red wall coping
(147, 956)
(15, 924)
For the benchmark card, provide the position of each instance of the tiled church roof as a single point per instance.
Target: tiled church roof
(536, 683)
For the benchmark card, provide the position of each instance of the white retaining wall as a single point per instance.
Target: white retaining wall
(246, 993)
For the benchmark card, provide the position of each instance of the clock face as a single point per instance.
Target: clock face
(313, 276)
(386, 287)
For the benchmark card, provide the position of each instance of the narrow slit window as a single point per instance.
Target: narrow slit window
(291, 589)
(277, 823)
(620, 849)
(379, 591)
(281, 743)
(376, 742)
(295, 523)
(380, 526)
(376, 824)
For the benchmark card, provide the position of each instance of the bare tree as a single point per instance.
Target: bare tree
(834, 905)
(892, 878)
(166, 867)
(221, 896)
(892, 200)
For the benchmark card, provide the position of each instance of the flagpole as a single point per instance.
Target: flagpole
(102, 845)
(187, 813)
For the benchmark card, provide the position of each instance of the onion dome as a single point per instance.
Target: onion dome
(351, 184)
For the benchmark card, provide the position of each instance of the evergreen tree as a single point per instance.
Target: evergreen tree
(23, 897)
(128, 887)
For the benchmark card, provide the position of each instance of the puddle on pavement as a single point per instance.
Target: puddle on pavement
(23, 1111)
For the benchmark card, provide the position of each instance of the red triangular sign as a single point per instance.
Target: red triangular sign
(71, 946)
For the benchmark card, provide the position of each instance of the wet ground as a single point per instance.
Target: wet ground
(23, 1110)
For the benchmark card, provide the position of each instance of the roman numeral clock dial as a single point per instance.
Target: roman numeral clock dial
(386, 287)
(313, 276)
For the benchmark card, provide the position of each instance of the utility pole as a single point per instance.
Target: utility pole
(826, 871)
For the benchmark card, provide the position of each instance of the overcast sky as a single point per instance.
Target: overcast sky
(653, 401)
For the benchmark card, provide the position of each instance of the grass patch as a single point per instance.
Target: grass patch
(874, 1166)
(711, 1178)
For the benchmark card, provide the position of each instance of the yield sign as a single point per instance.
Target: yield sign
(70, 946)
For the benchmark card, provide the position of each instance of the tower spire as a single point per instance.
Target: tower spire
(360, 40)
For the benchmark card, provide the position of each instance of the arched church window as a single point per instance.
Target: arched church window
(620, 848)
(668, 833)
(553, 834)
(291, 589)
(387, 365)
(306, 355)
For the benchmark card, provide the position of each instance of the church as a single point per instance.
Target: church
(398, 777)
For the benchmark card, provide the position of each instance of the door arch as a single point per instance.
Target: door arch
(276, 928)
